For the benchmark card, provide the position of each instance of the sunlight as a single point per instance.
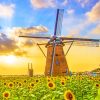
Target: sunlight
(10, 59)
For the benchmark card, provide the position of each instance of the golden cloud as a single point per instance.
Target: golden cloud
(74, 32)
(29, 30)
(96, 30)
(10, 43)
(94, 14)
(6, 11)
(6, 45)
(19, 52)
(42, 3)
(9, 46)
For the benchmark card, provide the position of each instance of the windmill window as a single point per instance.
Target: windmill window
(57, 62)
(56, 54)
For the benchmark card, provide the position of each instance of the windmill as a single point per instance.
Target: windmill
(30, 70)
(56, 63)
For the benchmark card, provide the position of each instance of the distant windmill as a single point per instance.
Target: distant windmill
(56, 63)
(30, 69)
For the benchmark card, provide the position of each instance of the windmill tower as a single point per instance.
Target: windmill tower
(56, 63)
(30, 70)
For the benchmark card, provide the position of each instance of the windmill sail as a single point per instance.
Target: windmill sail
(58, 24)
(42, 37)
(82, 41)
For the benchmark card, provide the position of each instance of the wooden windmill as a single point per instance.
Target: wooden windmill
(56, 63)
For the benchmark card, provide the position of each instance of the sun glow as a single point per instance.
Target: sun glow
(10, 59)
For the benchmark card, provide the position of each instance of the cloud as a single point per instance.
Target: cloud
(96, 30)
(9, 46)
(19, 52)
(42, 3)
(65, 2)
(74, 32)
(83, 3)
(30, 30)
(75, 25)
(70, 11)
(14, 32)
(6, 11)
(6, 44)
(10, 43)
(28, 43)
(48, 3)
(94, 14)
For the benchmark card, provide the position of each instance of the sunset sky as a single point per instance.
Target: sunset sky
(24, 17)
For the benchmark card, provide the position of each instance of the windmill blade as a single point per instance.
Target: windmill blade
(80, 39)
(58, 24)
(36, 37)
(83, 43)
(52, 60)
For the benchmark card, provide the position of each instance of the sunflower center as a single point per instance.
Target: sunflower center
(48, 80)
(37, 80)
(10, 85)
(69, 96)
(6, 94)
(50, 85)
(32, 84)
(19, 84)
(97, 85)
(25, 81)
(62, 83)
(4, 83)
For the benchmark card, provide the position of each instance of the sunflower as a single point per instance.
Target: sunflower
(63, 83)
(5, 83)
(37, 80)
(29, 87)
(62, 79)
(6, 94)
(48, 79)
(14, 82)
(68, 95)
(97, 85)
(65, 78)
(54, 78)
(32, 84)
(10, 84)
(51, 85)
(19, 84)
(25, 81)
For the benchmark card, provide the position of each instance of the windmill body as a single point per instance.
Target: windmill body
(60, 66)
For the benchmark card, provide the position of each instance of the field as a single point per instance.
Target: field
(50, 88)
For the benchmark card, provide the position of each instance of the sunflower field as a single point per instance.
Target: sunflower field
(50, 88)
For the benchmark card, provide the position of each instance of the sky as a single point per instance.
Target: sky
(24, 17)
